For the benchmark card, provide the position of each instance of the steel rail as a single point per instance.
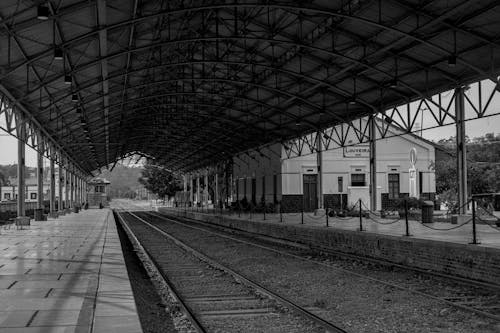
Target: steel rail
(442, 300)
(285, 302)
(185, 309)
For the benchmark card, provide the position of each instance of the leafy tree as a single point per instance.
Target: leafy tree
(3, 180)
(483, 169)
(159, 180)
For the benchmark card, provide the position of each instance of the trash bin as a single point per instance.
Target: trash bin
(427, 211)
(76, 209)
(38, 214)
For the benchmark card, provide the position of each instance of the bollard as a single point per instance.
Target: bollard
(360, 216)
(281, 214)
(264, 212)
(406, 219)
(250, 212)
(326, 213)
(474, 235)
(302, 215)
(239, 210)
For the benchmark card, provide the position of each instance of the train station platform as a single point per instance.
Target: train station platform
(440, 247)
(66, 275)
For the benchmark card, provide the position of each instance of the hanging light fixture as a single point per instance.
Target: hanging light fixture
(68, 79)
(42, 12)
(74, 98)
(58, 53)
(452, 61)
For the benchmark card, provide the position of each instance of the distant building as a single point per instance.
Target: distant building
(10, 192)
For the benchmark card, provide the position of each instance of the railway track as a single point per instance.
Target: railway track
(478, 297)
(214, 297)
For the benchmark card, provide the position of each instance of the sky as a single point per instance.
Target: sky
(474, 128)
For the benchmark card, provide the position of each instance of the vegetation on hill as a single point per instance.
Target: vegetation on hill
(124, 181)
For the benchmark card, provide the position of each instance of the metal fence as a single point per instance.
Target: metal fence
(480, 222)
(12, 206)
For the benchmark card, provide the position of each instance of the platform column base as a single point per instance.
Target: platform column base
(22, 221)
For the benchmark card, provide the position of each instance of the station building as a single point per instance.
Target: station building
(272, 176)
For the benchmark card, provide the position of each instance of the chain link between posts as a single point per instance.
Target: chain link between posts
(376, 221)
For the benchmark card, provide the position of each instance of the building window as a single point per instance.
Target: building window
(393, 185)
(6, 196)
(254, 191)
(275, 188)
(358, 179)
(33, 196)
(264, 188)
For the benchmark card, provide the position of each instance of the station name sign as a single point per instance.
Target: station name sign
(357, 151)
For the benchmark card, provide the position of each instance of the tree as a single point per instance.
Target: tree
(159, 180)
(3, 179)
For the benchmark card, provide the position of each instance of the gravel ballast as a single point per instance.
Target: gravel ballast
(357, 304)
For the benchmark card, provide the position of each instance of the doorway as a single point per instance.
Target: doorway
(310, 192)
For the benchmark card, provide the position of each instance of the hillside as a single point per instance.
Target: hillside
(124, 181)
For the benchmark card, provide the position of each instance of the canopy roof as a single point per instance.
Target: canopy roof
(193, 82)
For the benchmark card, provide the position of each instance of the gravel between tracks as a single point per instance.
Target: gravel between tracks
(149, 304)
(276, 319)
(355, 303)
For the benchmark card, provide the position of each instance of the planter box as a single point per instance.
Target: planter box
(22, 221)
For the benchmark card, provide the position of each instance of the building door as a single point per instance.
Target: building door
(254, 191)
(310, 189)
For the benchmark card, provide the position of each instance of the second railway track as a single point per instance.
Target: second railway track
(214, 297)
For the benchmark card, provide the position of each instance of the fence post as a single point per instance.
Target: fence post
(264, 211)
(326, 213)
(251, 211)
(302, 214)
(239, 209)
(360, 216)
(281, 213)
(406, 219)
(474, 235)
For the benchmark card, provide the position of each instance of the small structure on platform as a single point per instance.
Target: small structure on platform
(97, 195)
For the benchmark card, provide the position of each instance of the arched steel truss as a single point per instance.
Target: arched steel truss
(195, 82)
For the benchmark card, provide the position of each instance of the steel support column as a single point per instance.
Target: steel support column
(461, 149)
(21, 181)
(61, 184)
(72, 189)
(197, 190)
(319, 163)
(216, 189)
(52, 187)
(373, 164)
(191, 190)
(39, 179)
(66, 187)
(77, 190)
(205, 192)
